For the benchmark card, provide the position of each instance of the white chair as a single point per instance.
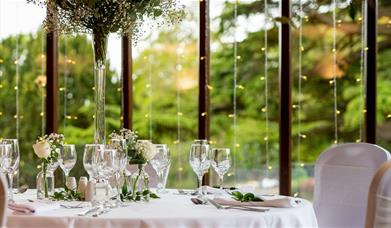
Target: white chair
(343, 174)
(3, 200)
(379, 199)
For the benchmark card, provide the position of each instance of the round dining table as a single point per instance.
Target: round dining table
(171, 210)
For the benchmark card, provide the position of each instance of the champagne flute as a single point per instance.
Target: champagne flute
(160, 163)
(199, 162)
(92, 153)
(9, 158)
(67, 158)
(221, 162)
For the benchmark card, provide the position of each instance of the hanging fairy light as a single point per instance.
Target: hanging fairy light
(235, 87)
(362, 61)
(334, 67)
(178, 68)
(265, 78)
(148, 86)
(300, 77)
(42, 86)
(17, 79)
(65, 86)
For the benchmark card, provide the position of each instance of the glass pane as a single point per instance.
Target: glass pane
(245, 112)
(165, 77)
(384, 76)
(318, 99)
(22, 80)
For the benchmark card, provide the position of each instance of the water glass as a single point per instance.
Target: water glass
(67, 158)
(9, 162)
(92, 154)
(221, 162)
(199, 162)
(160, 163)
(120, 162)
(15, 146)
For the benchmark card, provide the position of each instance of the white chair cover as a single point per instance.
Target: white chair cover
(343, 174)
(3, 199)
(379, 199)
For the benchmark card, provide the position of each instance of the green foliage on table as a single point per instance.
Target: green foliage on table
(67, 194)
(245, 197)
(146, 195)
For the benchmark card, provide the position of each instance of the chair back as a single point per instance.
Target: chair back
(3, 200)
(379, 199)
(343, 174)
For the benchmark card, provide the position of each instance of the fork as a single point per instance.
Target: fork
(244, 208)
(80, 205)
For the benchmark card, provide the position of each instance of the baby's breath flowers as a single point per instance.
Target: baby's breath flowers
(102, 17)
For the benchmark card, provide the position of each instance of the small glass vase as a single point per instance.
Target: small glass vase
(45, 184)
(140, 180)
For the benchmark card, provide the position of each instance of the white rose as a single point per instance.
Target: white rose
(150, 151)
(42, 149)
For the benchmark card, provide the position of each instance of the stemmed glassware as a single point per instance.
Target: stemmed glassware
(221, 162)
(199, 161)
(92, 153)
(9, 161)
(160, 163)
(67, 158)
(120, 162)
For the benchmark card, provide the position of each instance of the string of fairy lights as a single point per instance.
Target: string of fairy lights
(266, 78)
(235, 87)
(17, 81)
(42, 83)
(361, 78)
(334, 68)
(300, 135)
(64, 89)
(178, 68)
(150, 96)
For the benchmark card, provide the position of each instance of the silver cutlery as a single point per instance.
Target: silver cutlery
(97, 214)
(91, 210)
(244, 208)
(183, 192)
(80, 205)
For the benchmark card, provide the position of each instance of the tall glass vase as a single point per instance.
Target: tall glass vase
(99, 46)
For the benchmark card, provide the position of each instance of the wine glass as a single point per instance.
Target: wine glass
(120, 161)
(92, 153)
(221, 162)
(160, 163)
(67, 158)
(9, 161)
(15, 146)
(199, 162)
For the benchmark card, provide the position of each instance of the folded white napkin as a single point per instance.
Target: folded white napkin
(277, 201)
(33, 207)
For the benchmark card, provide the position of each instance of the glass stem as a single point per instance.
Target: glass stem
(200, 192)
(160, 181)
(11, 179)
(221, 181)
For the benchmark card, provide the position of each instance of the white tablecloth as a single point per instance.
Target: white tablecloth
(170, 211)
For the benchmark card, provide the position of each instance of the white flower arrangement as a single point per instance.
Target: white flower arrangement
(146, 149)
(45, 147)
(128, 135)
